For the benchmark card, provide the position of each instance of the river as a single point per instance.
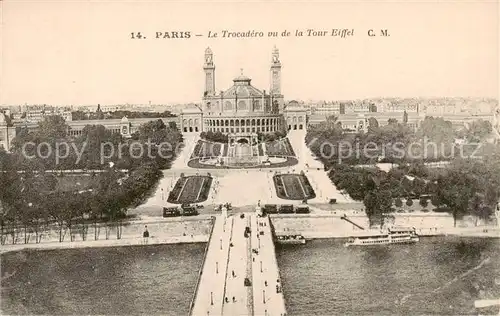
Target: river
(434, 277)
(130, 280)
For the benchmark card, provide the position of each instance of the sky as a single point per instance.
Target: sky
(81, 52)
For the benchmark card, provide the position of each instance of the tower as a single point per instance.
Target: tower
(275, 73)
(209, 69)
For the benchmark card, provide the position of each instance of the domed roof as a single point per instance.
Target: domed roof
(294, 105)
(124, 119)
(242, 90)
(2, 118)
(241, 78)
(208, 51)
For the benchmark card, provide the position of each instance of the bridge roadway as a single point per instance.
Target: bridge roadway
(221, 289)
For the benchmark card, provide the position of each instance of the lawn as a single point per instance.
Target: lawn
(192, 189)
(293, 187)
(279, 148)
(204, 149)
(74, 182)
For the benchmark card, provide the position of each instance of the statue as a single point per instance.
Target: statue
(275, 59)
(208, 59)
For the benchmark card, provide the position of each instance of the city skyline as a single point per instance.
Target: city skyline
(82, 54)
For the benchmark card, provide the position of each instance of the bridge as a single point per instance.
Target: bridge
(240, 275)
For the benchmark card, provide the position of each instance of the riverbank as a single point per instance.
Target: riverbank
(106, 243)
(161, 231)
(197, 229)
(316, 226)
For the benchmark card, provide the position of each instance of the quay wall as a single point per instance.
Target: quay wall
(332, 226)
(160, 231)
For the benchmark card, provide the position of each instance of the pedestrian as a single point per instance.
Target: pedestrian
(234, 299)
(145, 235)
(265, 283)
(234, 275)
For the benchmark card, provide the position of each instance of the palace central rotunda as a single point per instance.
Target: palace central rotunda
(242, 110)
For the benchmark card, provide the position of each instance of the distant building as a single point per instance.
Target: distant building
(7, 133)
(326, 109)
(36, 113)
(125, 127)
(354, 115)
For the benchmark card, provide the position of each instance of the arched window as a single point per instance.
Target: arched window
(253, 122)
(242, 122)
(257, 106)
(228, 106)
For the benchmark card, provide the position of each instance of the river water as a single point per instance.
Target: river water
(434, 277)
(119, 281)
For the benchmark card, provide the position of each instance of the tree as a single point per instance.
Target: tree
(436, 201)
(52, 127)
(423, 202)
(407, 185)
(392, 121)
(478, 130)
(479, 208)
(455, 190)
(440, 132)
(409, 202)
(398, 202)
(378, 204)
(418, 186)
(372, 124)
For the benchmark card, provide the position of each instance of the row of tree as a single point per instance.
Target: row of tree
(465, 187)
(32, 201)
(217, 137)
(51, 148)
(100, 115)
(434, 140)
